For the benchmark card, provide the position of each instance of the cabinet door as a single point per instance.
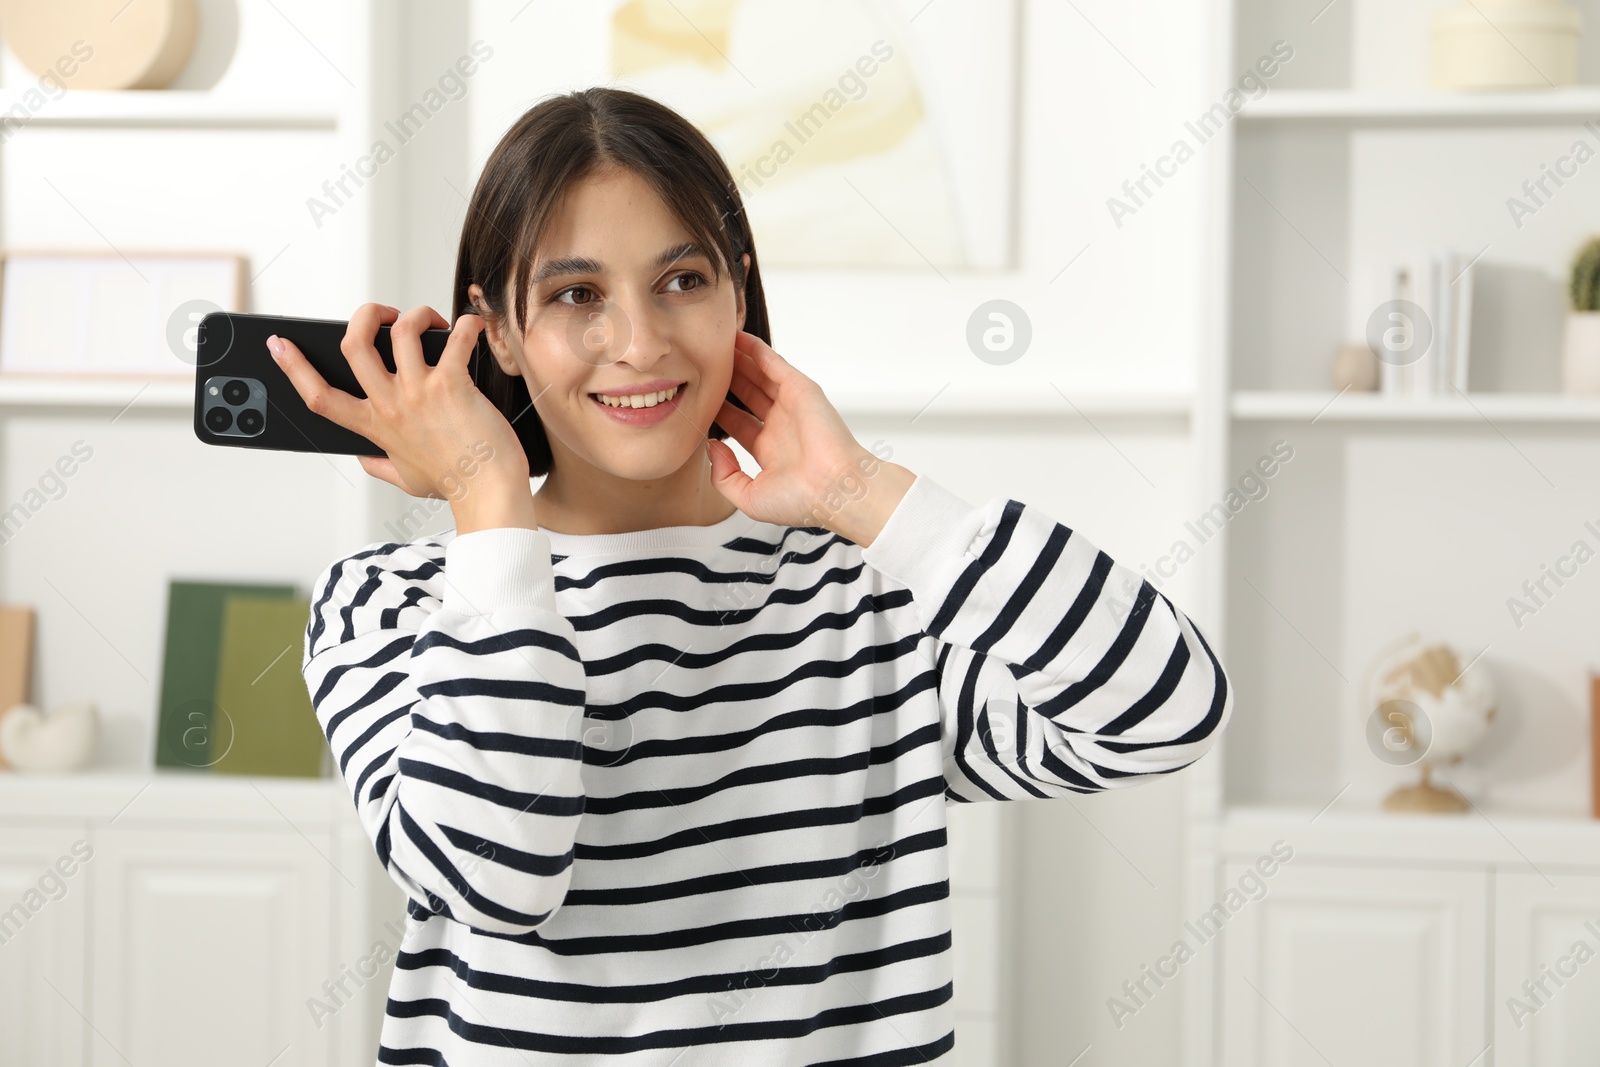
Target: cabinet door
(1547, 936)
(1337, 964)
(370, 912)
(208, 946)
(980, 939)
(44, 889)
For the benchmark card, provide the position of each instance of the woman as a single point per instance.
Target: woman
(660, 753)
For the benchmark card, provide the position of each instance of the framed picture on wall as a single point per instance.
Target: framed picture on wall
(110, 314)
(858, 133)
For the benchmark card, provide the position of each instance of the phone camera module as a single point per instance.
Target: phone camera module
(234, 407)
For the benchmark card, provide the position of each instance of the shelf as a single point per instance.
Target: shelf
(1371, 407)
(144, 108)
(172, 796)
(1549, 106)
(927, 398)
(113, 393)
(1350, 832)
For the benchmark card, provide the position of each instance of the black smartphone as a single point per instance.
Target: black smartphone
(243, 399)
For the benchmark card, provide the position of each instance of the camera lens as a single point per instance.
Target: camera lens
(250, 421)
(219, 419)
(236, 391)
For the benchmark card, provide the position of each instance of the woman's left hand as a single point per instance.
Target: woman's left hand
(813, 471)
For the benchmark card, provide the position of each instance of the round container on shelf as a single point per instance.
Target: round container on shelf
(1506, 44)
(142, 45)
(1580, 354)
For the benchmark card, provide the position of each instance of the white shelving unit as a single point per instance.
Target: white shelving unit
(179, 183)
(1289, 406)
(1394, 515)
(1420, 107)
(205, 860)
(87, 394)
(177, 108)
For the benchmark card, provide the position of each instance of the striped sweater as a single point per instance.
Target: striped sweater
(678, 796)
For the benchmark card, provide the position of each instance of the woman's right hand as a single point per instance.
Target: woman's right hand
(442, 436)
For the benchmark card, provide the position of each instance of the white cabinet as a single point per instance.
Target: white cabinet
(204, 921)
(208, 943)
(1410, 940)
(44, 894)
(1546, 1004)
(1339, 167)
(1334, 965)
(221, 920)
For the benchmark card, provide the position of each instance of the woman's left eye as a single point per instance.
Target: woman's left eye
(699, 280)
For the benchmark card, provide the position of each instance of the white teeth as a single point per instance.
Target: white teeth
(638, 400)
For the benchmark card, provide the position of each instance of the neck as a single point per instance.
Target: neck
(593, 501)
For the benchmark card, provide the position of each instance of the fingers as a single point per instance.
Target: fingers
(726, 475)
(318, 396)
(359, 350)
(771, 371)
(741, 425)
(382, 467)
(463, 339)
(405, 339)
(379, 467)
(755, 398)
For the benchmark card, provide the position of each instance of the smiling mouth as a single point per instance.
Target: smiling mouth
(639, 400)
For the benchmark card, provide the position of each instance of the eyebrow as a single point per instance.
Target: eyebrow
(584, 265)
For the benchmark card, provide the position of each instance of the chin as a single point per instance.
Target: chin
(647, 465)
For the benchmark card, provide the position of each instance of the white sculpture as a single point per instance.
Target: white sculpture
(64, 740)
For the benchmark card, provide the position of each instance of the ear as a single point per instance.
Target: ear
(739, 296)
(494, 329)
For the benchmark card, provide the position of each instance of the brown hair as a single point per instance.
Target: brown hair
(556, 143)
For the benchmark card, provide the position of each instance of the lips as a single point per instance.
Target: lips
(641, 416)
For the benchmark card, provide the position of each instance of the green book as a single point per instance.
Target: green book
(184, 722)
(261, 693)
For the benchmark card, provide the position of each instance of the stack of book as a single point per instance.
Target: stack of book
(233, 700)
(1430, 356)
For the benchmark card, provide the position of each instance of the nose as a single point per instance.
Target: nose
(634, 332)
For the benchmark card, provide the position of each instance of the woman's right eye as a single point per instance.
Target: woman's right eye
(576, 289)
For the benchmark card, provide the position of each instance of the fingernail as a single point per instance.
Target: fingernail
(275, 346)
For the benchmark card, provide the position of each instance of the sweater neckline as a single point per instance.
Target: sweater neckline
(662, 537)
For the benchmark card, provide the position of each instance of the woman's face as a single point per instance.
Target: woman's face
(616, 302)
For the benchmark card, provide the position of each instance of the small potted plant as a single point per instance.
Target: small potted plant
(1580, 350)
